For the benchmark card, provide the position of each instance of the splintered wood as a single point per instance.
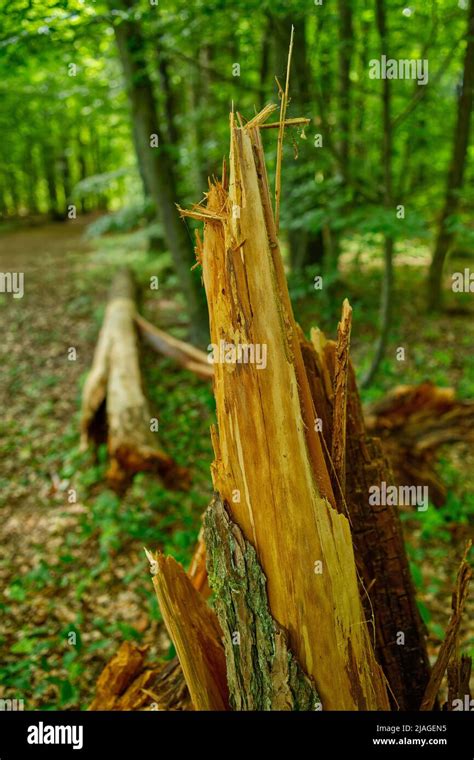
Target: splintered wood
(449, 644)
(386, 588)
(270, 468)
(195, 632)
(129, 682)
(339, 425)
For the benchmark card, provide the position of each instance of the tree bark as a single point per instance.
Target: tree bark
(155, 163)
(387, 147)
(262, 672)
(455, 179)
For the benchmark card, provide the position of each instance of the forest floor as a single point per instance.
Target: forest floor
(80, 567)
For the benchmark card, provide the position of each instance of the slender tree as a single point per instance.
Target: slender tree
(445, 235)
(387, 145)
(155, 162)
(306, 247)
(346, 45)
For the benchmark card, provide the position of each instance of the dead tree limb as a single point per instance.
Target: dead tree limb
(413, 422)
(185, 354)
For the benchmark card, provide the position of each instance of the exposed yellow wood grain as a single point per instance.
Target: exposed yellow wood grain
(266, 447)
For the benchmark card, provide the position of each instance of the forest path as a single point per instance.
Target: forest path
(71, 551)
(38, 383)
(39, 395)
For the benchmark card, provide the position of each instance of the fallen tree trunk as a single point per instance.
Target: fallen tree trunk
(114, 407)
(413, 422)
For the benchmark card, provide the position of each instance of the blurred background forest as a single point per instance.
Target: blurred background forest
(112, 112)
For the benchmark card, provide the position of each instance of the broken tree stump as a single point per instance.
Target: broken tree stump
(286, 563)
(269, 465)
(114, 407)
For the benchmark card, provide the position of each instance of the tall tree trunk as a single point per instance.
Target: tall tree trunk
(170, 103)
(200, 99)
(156, 164)
(445, 235)
(265, 58)
(31, 176)
(3, 202)
(13, 190)
(50, 174)
(387, 277)
(65, 179)
(360, 97)
(102, 201)
(171, 108)
(81, 149)
(346, 44)
(306, 247)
